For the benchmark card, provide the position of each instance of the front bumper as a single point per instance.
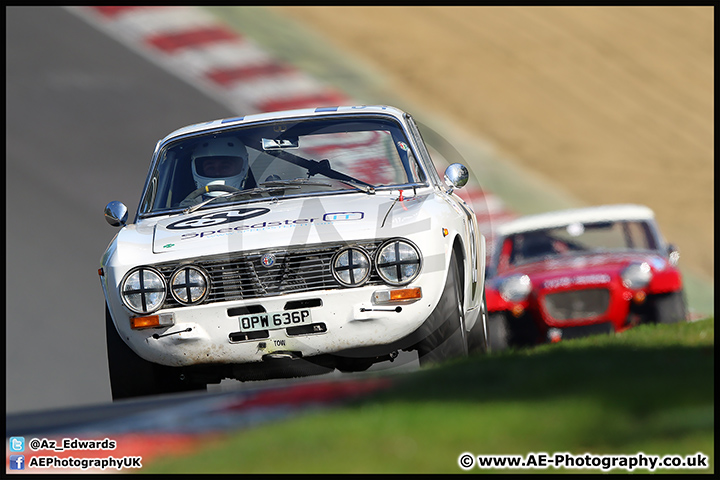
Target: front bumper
(566, 333)
(342, 320)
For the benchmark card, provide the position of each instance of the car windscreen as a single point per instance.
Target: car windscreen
(311, 156)
(573, 239)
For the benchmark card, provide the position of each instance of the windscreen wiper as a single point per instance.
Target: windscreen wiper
(252, 191)
(296, 181)
(360, 186)
(306, 181)
(323, 167)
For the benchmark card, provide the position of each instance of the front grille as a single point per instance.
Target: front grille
(577, 304)
(243, 276)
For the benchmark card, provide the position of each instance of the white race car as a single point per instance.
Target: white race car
(287, 244)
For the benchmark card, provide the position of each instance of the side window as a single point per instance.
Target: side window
(162, 182)
(639, 236)
(415, 131)
(147, 200)
(150, 195)
(506, 255)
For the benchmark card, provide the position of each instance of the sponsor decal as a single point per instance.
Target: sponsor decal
(341, 216)
(218, 218)
(577, 280)
(327, 218)
(234, 119)
(589, 279)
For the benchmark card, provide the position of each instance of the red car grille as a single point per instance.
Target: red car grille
(577, 304)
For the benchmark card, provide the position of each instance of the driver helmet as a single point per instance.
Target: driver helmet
(220, 161)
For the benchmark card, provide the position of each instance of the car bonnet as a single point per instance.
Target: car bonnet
(310, 220)
(606, 263)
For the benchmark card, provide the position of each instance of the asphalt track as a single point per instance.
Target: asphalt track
(83, 115)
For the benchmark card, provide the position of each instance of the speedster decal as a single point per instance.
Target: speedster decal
(327, 219)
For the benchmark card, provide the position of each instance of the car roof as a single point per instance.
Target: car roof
(303, 112)
(559, 218)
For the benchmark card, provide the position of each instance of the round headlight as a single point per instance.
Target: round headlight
(189, 284)
(516, 288)
(143, 290)
(351, 266)
(398, 262)
(636, 275)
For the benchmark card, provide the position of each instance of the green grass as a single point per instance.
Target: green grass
(647, 390)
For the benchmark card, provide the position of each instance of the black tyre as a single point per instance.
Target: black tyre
(669, 307)
(498, 332)
(133, 376)
(477, 337)
(448, 337)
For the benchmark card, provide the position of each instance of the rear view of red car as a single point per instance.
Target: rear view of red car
(580, 272)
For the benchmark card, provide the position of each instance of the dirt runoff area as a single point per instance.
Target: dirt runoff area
(614, 104)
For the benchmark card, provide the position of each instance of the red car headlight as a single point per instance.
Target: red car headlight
(516, 288)
(636, 275)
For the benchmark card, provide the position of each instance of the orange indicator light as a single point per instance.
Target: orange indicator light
(145, 322)
(639, 297)
(517, 310)
(406, 294)
(153, 321)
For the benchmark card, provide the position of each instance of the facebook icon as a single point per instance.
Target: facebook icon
(17, 462)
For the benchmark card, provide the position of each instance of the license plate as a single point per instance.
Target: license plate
(274, 320)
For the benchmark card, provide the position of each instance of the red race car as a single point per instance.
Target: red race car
(579, 272)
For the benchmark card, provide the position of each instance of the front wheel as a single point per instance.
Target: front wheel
(133, 376)
(448, 338)
(669, 307)
(478, 336)
(498, 332)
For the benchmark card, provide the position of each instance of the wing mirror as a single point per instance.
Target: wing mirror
(116, 214)
(456, 176)
(673, 254)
